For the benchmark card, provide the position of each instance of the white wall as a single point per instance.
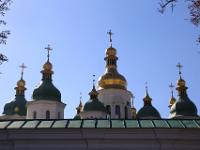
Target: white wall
(115, 97)
(41, 106)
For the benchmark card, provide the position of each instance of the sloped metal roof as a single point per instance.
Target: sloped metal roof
(113, 123)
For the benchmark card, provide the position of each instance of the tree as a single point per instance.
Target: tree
(4, 7)
(193, 8)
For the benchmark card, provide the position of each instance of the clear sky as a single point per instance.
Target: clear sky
(149, 46)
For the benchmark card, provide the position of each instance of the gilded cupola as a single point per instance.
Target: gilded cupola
(79, 109)
(183, 107)
(111, 78)
(18, 105)
(172, 99)
(46, 90)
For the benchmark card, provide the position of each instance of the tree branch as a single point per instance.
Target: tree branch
(3, 58)
(165, 3)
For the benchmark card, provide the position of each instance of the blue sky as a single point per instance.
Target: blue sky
(149, 46)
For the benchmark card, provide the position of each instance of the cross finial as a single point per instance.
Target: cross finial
(22, 66)
(179, 67)
(80, 96)
(146, 87)
(48, 48)
(93, 79)
(171, 86)
(110, 36)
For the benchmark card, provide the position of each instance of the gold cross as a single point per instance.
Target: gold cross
(22, 66)
(48, 48)
(179, 67)
(110, 36)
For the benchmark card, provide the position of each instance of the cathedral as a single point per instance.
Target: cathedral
(108, 120)
(110, 99)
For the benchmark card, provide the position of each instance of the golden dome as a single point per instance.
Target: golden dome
(21, 83)
(181, 82)
(47, 66)
(147, 99)
(112, 80)
(16, 109)
(111, 51)
(181, 85)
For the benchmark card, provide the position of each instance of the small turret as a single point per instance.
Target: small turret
(172, 99)
(79, 109)
(93, 108)
(148, 111)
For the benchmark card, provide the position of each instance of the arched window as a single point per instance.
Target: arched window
(58, 115)
(108, 109)
(47, 114)
(126, 112)
(117, 111)
(34, 115)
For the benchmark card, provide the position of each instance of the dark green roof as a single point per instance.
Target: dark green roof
(17, 106)
(183, 107)
(148, 111)
(77, 116)
(101, 123)
(94, 105)
(46, 91)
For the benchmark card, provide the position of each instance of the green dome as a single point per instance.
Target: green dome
(46, 91)
(148, 111)
(94, 105)
(183, 107)
(17, 106)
